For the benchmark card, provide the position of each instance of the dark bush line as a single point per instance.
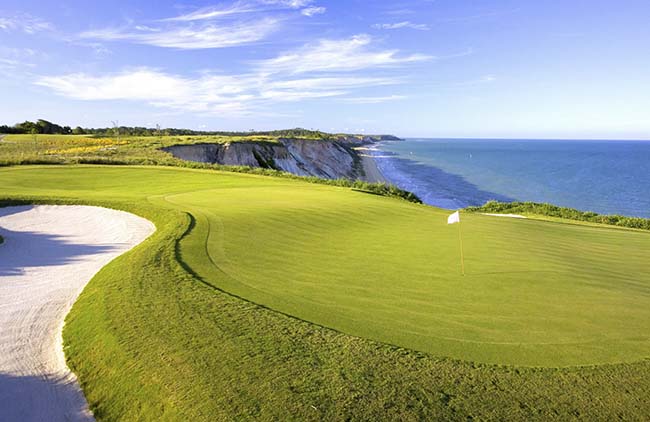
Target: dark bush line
(42, 126)
(561, 212)
(382, 189)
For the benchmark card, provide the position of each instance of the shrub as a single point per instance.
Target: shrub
(561, 212)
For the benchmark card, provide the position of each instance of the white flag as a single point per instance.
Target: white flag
(454, 218)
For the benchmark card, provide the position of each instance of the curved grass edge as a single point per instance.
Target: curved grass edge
(149, 342)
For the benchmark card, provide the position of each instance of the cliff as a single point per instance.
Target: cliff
(326, 159)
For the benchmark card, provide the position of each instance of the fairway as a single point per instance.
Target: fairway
(535, 294)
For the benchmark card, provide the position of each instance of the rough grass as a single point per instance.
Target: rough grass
(150, 341)
(68, 147)
(561, 213)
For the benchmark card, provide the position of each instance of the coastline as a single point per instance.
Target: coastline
(370, 168)
(456, 174)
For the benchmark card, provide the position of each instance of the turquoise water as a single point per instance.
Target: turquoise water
(610, 177)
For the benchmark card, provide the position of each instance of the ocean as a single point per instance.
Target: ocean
(607, 177)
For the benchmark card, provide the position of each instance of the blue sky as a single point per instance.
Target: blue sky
(440, 68)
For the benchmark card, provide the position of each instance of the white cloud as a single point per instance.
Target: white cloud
(294, 4)
(139, 85)
(331, 82)
(11, 64)
(373, 100)
(312, 11)
(327, 69)
(349, 54)
(208, 13)
(400, 25)
(481, 80)
(241, 7)
(15, 61)
(240, 23)
(24, 23)
(191, 37)
(208, 93)
(290, 96)
(147, 28)
(19, 52)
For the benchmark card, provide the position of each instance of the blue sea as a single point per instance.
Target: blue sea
(608, 177)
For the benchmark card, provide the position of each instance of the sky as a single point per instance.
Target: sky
(413, 68)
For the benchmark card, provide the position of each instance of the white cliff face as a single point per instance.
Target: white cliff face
(326, 159)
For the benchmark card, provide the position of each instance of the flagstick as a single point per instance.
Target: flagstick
(462, 257)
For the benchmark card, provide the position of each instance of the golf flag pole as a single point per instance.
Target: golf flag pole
(453, 219)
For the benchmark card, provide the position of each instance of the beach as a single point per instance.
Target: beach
(370, 168)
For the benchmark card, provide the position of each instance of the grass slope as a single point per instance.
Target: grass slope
(151, 342)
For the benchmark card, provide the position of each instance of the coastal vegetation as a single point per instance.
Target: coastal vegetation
(148, 150)
(202, 321)
(553, 211)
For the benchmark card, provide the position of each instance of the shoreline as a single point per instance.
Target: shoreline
(471, 173)
(370, 168)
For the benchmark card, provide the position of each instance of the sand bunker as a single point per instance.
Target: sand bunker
(49, 254)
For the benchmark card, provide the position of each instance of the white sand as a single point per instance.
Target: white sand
(49, 254)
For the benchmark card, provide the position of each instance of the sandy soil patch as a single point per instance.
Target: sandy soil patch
(49, 254)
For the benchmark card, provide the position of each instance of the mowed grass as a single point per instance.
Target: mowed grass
(150, 341)
(535, 293)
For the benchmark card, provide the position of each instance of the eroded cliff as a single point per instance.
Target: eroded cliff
(327, 159)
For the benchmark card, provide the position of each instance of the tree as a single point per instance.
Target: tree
(43, 126)
(26, 127)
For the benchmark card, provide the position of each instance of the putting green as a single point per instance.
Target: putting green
(536, 293)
